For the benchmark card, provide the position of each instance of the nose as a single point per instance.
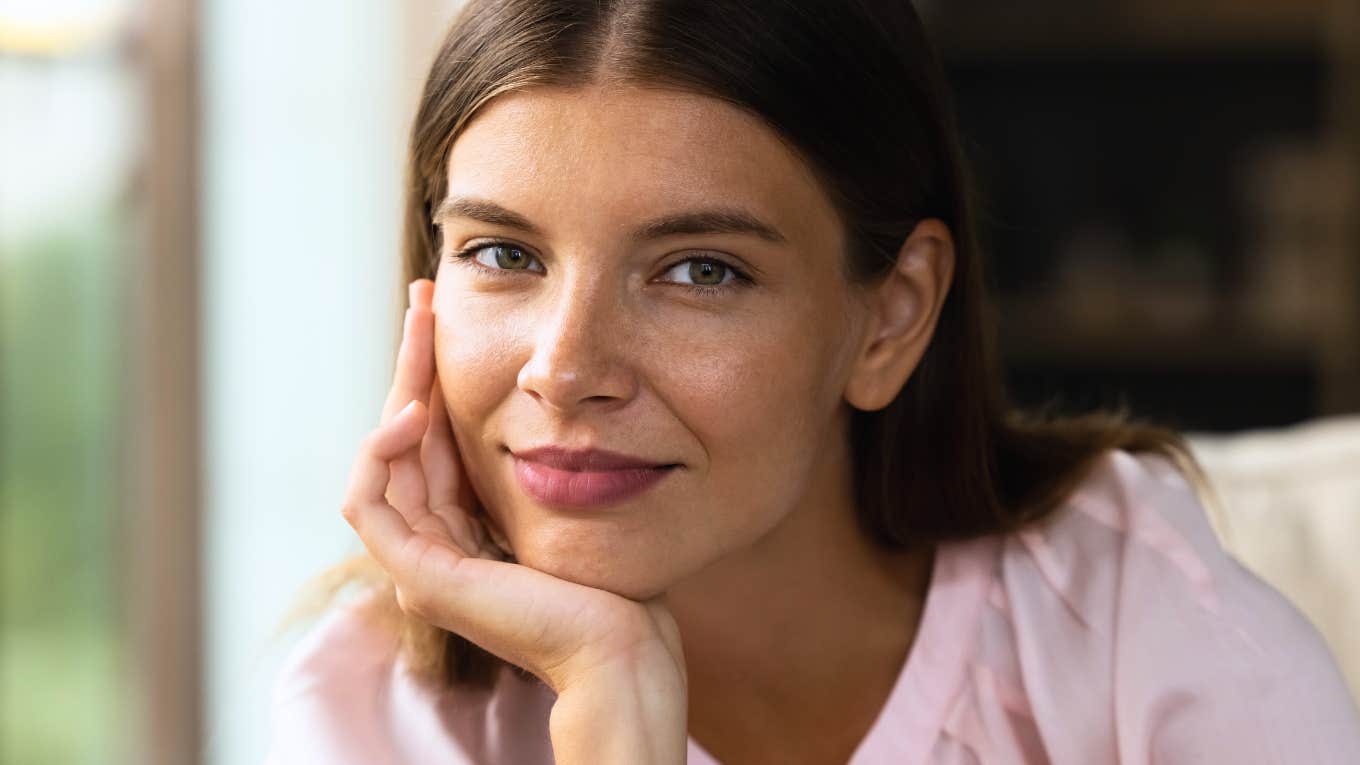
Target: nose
(579, 357)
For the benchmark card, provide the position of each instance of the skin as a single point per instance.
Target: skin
(749, 549)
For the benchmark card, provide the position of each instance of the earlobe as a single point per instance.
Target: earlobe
(905, 308)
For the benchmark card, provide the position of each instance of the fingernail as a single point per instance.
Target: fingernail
(411, 292)
(407, 408)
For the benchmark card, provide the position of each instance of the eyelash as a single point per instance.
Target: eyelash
(740, 278)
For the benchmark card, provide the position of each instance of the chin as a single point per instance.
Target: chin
(637, 574)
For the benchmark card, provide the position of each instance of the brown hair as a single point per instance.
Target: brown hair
(855, 88)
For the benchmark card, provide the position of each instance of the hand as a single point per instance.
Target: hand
(412, 508)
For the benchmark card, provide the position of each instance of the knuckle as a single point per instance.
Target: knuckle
(403, 601)
(414, 604)
(370, 442)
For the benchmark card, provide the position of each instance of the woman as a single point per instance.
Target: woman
(695, 448)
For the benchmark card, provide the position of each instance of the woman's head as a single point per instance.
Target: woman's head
(820, 121)
(826, 120)
(860, 353)
(654, 272)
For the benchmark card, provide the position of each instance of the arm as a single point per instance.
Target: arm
(627, 712)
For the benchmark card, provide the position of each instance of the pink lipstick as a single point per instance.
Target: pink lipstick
(588, 478)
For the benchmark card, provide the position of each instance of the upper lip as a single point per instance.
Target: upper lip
(585, 459)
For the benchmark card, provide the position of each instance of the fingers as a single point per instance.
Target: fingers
(443, 472)
(384, 530)
(415, 357)
(415, 369)
(438, 453)
(450, 496)
(458, 526)
(369, 475)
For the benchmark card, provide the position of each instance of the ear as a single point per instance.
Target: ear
(903, 311)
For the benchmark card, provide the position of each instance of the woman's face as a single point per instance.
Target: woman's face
(587, 326)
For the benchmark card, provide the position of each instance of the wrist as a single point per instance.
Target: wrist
(622, 713)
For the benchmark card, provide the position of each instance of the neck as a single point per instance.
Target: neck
(793, 644)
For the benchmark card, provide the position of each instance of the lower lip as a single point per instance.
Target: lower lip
(581, 489)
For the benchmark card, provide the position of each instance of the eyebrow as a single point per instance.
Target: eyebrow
(715, 220)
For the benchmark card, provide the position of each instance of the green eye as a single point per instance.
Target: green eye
(706, 272)
(507, 257)
(510, 258)
(706, 275)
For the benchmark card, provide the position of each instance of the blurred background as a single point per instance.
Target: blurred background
(199, 293)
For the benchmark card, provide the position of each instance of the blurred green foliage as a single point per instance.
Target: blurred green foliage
(62, 696)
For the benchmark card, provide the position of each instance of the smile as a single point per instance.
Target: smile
(585, 488)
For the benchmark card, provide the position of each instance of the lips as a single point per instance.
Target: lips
(588, 460)
(585, 478)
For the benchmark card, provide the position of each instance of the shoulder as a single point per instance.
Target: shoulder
(329, 693)
(343, 696)
(1137, 523)
(1129, 584)
(345, 642)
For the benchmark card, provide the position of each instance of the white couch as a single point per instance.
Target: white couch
(1288, 507)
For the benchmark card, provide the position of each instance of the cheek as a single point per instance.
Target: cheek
(475, 355)
(754, 391)
(475, 368)
(759, 408)
(466, 364)
(734, 397)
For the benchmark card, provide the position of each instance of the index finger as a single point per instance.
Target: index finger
(415, 358)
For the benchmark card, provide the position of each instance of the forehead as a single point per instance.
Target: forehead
(618, 153)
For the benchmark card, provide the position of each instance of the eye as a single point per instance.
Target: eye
(503, 256)
(707, 275)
